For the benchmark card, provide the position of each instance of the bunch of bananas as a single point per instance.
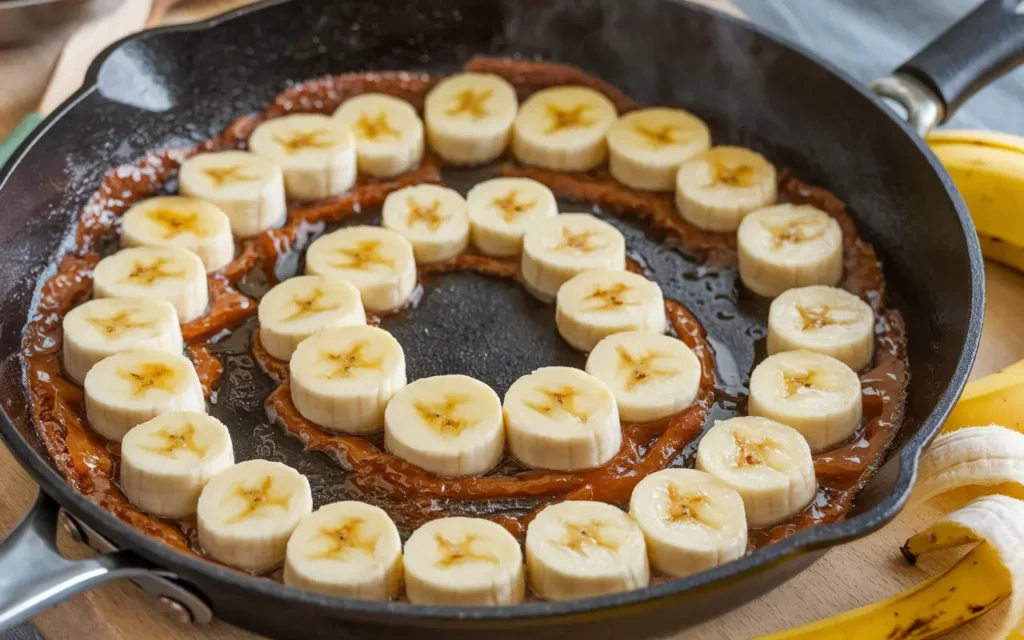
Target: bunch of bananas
(988, 169)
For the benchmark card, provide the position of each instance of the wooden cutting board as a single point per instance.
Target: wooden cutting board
(847, 577)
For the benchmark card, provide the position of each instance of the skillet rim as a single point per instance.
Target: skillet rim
(817, 538)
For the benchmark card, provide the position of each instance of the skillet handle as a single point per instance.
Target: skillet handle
(975, 51)
(35, 576)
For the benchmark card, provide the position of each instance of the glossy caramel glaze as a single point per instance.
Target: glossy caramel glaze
(407, 492)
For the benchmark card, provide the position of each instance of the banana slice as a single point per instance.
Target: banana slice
(556, 249)
(432, 218)
(247, 187)
(448, 425)
(598, 303)
(561, 418)
(825, 320)
(389, 133)
(563, 128)
(718, 188)
(299, 307)
(131, 387)
(349, 549)
(502, 209)
(379, 262)
(469, 117)
(789, 246)
(177, 221)
(317, 154)
(647, 146)
(815, 394)
(692, 521)
(343, 378)
(463, 561)
(247, 512)
(768, 463)
(165, 273)
(166, 461)
(579, 549)
(651, 375)
(98, 329)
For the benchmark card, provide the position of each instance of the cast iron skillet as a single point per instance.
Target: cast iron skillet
(178, 85)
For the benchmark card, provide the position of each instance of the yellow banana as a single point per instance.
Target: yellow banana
(983, 578)
(988, 169)
(995, 399)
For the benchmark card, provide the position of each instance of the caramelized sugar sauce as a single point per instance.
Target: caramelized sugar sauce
(410, 494)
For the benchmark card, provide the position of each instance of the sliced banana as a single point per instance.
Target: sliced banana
(247, 512)
(247, 187)
(502, 209)
(823, 319)
(768, 463)
(317, 154)
(166, 461)
(561, 418)
(580, 549)
(815, 394)
(343, 378)
(349, 549)
(432, 218)
(556, 249)
(717, 189)
(299, 307)
(388, 131)
(789, 246)
(98, 329)
(463, 561)
(692, 521)
(647, 146)
(131, 387)
(469, 117)
(164, 273)
(600, 302)
(379, 262)
(651, 375)
(449, 425)
(563, 128)
(177, 221)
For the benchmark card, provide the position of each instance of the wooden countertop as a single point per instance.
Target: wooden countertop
(849, 576)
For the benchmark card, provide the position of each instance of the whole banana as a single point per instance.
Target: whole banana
(988, 169)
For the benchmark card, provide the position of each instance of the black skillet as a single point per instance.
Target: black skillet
(179, 85)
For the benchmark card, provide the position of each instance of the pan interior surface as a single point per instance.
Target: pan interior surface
(176, 87)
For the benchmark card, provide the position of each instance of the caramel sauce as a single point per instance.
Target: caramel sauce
(410, 494)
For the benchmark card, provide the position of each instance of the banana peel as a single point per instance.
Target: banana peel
(995, 399)
(992, 571)
(988, 169)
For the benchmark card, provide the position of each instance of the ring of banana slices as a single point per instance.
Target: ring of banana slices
(349, 378)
